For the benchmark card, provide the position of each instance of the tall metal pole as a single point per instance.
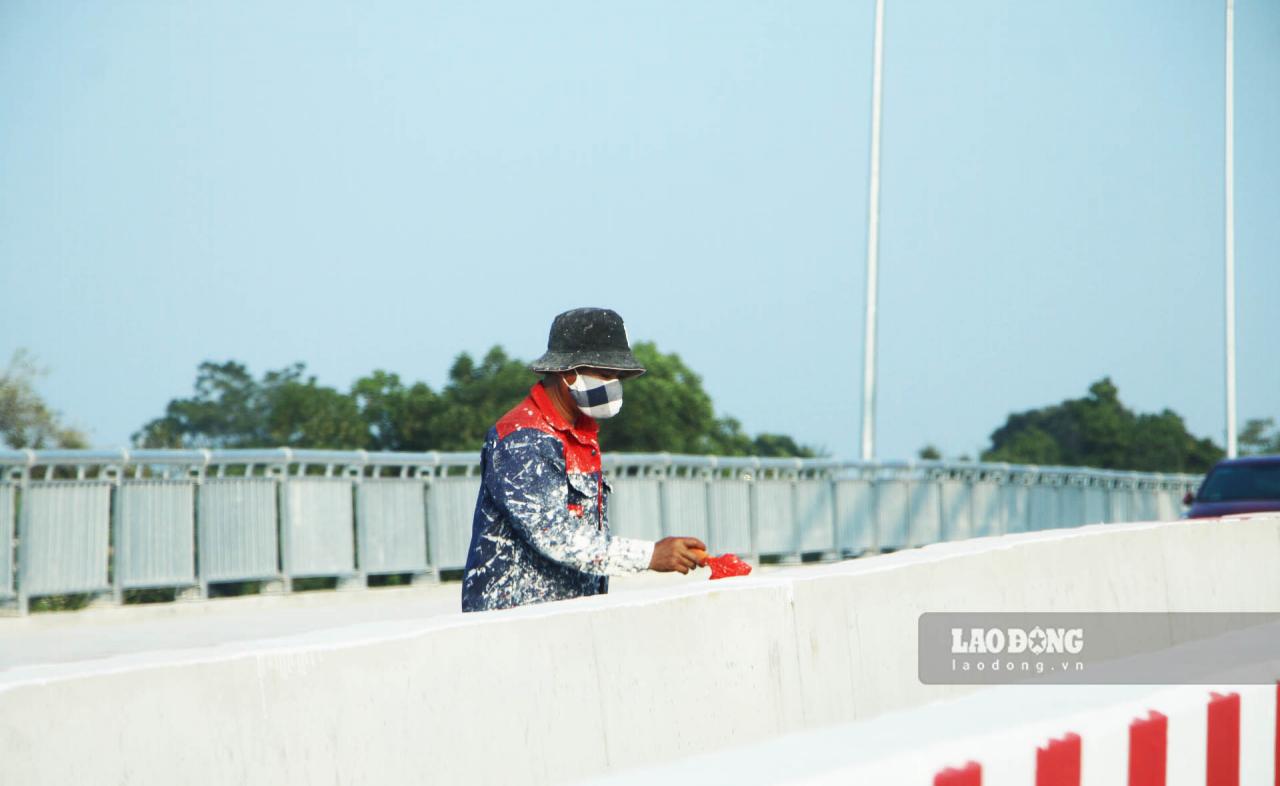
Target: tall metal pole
(873, 250)
(1231, 236)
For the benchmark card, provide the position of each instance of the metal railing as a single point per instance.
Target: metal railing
(105, 522)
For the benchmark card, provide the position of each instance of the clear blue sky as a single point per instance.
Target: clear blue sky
(384, 185)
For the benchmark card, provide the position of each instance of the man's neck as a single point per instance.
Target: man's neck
(560, 399)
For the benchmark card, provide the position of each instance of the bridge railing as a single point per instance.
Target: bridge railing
(106, 522)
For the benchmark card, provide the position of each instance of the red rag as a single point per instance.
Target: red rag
(727, 565)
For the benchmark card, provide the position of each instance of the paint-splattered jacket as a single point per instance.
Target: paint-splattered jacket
(541, 530)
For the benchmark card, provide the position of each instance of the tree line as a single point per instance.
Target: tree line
(667, 409)
(1098, 430)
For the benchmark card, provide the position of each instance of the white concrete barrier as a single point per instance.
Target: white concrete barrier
(563, 691)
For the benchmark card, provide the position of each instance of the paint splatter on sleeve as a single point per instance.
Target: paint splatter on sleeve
(528, 483)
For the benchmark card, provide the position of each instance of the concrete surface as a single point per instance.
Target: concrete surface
(102, 632)
(352, 690)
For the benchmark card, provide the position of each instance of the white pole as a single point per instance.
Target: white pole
(873, 249)
(1231, 236)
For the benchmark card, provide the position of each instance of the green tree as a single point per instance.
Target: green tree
(1099, 431)
(727, 438)
(930, 453)
(666, 409)
(396, 416)
(26, 421)
(1254, 439)
(302, 414)
(475, 397)
(225, 412)
(779, 446)
(230, 409)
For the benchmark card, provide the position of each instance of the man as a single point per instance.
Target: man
(541, 528)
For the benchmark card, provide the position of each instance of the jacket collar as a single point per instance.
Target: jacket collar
(585, 428)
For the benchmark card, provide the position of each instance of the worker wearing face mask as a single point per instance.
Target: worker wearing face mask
(541, 527)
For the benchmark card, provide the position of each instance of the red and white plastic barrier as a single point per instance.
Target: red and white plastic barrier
(1203, 737)
(1183, 736)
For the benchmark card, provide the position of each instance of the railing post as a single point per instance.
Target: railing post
(708, 479)
(430, 575)
(944, 531)
(753, 507)
(432, 516)
(794, 510)
(201, 590)
(836, 550)
(971, 486)
(279, 472)
(664, 503)
(1003, 496)
(117, 529)
(877, 542)
(355, 472)
(1058, 499)
(23, 524)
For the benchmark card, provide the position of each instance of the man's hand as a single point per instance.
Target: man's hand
(678, 554)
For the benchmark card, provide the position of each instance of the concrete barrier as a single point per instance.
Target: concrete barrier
(563, 691)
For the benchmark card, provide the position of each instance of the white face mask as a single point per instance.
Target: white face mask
(599, 398)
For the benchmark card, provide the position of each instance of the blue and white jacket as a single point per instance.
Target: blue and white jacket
(541, 527)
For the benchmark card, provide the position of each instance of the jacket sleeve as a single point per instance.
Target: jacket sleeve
(526, 478)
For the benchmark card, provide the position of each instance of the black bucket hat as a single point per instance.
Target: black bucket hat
(592, 337)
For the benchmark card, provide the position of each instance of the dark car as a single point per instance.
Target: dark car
(1241, 485)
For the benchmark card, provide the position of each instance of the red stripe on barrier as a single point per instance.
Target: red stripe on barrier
(1058, 763)
(1148, 741)
(1223, 766)
(968, 775)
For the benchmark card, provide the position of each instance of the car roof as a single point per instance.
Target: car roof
(1248, 461)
